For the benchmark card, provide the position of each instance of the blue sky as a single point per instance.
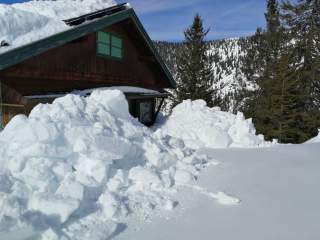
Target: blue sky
(166, 19)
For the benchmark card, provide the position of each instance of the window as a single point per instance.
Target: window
(146, 112)
(143, 110)
(109, 45)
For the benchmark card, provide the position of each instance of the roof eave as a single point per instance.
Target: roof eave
(144, 33)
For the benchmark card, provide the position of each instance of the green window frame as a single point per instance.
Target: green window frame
(109, 45)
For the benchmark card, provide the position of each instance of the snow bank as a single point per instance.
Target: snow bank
(80, 165)
(200, 126)
(23, 23)
(76, 167)
(315, 139)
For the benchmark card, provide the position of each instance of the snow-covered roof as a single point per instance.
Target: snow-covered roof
(124, 89)
(34, 27)
(24, 23)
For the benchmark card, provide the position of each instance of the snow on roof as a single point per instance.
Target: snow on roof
(24, 23)
(124, 89)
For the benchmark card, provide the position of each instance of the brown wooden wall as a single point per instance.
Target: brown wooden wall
(76, 66)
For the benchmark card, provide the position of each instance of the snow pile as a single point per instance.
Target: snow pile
(200, 126)
(23, 23)
(76, 167)
(315, 139)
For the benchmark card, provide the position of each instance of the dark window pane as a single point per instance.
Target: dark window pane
(104, 49)
(133, 108)
(116, 52)
(116, 42)
(104, 37)
(146, 112)
(109, 45)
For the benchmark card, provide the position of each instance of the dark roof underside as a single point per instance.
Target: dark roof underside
(83, 25)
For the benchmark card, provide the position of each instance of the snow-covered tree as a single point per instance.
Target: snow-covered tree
(302, 22)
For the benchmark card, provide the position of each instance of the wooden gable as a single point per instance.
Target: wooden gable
(76, 65)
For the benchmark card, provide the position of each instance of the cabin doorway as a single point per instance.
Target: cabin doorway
(143, 109)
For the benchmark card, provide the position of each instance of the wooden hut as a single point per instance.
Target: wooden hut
(102, 49)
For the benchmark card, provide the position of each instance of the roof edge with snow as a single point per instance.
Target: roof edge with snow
(20, 54)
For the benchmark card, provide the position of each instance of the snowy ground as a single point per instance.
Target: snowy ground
(84, 168)
(279, 192)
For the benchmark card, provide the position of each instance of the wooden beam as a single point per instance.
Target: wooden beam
(12, 105)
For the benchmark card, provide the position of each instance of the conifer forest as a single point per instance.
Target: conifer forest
(272, 77)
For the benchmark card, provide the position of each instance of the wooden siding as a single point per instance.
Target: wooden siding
(76, 66)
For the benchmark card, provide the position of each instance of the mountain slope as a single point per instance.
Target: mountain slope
(230, 76)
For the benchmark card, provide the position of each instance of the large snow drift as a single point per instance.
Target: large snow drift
(75, 167)
(23, 23)
(200, 126)
(78, 166)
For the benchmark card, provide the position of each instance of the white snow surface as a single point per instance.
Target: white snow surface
(24, 23)
(278, 188)
(200, 126)
(315, 139)
(76, 168)
(83, 168)
(124, 89)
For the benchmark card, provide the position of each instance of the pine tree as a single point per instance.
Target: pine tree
(195, 75)
(272, 16)
(264, 45)
(267, 50)
(274, 31)
(286, 103)
(302, 21)
(254, 61)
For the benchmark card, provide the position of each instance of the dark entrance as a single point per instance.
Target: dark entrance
(143, 109)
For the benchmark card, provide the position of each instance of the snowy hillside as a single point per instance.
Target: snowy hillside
(229, 74)
(23, 23)
(227, 65)
(81, 166)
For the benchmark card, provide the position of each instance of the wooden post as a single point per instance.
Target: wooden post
(158, 110)
(1, 112)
